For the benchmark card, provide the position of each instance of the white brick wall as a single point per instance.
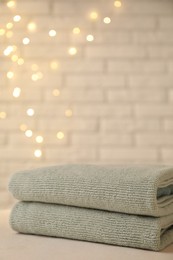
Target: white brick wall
(119, 87)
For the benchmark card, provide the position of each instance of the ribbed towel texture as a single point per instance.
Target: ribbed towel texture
(129, 206)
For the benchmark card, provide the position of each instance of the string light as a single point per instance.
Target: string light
(93, 15)
(30, 112)
(3, 115)
(60, 135)
(56, 92)
(14, 48)
(9, 25)
(72, 51)
(54, 65)
(34, 67)
(14, 58)
(17, 18)
(28, 133)
(68, 113)
(23, 127)
(26, 41)
(11, 4)
(16, 92)
(52, 33)
(8, 50)
(10, 74)
(20, 61)
(34, 77)
(39, 139)
(90, 38)
(38, 153)
(2, 32)
(107, 20)
(37, 76)
(32, 27)
(76, 30)
(9, 34)
(117, 4)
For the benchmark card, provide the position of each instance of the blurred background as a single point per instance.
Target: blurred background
(84, 82)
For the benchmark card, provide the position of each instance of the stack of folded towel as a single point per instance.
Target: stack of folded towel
(128, 206)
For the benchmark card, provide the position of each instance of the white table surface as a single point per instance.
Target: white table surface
(15, 246)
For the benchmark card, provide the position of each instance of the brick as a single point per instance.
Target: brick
(155, 139)
(50, 111)
(52, 80)
(74, 124)
(14, 120)
(102, 110)
(3, 139)
(168, 124)
(34, 7)
(65, 8)
(119, 51)
(132, 22)
(170, 67)
(76, 7)
(31, 94)
(166, 22)
(148, 7)
(71, 154)
(170, 95)
(38, 51)
(97, 80)
(42, 37)
(152, 37)
(121, 22)
(128, 155)
(149, 110)
(107, 35)
(20, 140)
(61, 22)
(100, 140)
(161, 81)
(162, 51)
(50, 139)
(14, 109)
(152, 95)
(130, 125)
(126, 66)
(81, 66)
(79, 95)
(9, 153)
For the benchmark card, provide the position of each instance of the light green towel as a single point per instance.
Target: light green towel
(92, 225)
(133, 189)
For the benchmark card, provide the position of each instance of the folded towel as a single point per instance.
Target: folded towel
(92, 225)
(134, 189)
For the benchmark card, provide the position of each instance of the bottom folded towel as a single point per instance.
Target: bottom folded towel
(92, 225)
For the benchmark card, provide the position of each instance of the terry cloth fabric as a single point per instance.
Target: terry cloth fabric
(133, 190)
(92, 225)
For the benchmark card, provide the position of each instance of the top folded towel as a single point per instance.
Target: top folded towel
(140, 190)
